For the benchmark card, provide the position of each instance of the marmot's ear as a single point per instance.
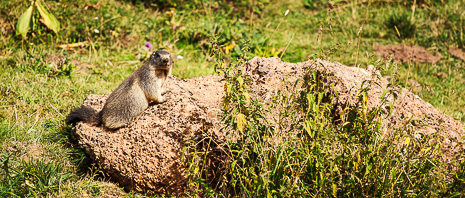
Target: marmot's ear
(154, 56)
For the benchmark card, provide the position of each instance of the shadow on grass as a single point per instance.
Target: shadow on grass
(78, 156)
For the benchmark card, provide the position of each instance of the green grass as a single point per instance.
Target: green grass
(35, 97)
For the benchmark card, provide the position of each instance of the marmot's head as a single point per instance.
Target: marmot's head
(160, 59)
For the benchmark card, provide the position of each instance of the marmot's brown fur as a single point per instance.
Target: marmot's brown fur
(132, 97)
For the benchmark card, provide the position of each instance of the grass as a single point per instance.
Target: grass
(37, 91)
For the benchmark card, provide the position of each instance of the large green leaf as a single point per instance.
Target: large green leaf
(49, 19)
(22, 26)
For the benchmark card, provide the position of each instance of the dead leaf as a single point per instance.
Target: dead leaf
(441, 75)
(95, 7)
(80, 44)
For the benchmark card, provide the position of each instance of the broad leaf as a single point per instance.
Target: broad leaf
(24, 22)
(49, 19)
(241, 122)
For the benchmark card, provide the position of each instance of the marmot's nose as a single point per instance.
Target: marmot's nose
(165, 60)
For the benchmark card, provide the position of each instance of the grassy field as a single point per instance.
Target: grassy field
(41, 82)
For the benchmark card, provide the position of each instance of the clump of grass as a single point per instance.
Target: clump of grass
(423, 2)
(296, 146)
(401, 24)
(456, 22)
(313, 4)
(32, 177)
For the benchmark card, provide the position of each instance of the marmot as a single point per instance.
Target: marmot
(132, 97)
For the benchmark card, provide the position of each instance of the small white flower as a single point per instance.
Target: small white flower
(31, 43)
(179, 57)
(96, 31)
(287, 12)
(96, 18)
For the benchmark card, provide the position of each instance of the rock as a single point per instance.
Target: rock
(146, 154)
(370, 68)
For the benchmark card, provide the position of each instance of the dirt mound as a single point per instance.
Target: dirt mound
(407, 53)
(459, 53)
(146, 155)
(267, 75)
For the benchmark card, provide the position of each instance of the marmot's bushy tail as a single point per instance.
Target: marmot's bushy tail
(83, 113)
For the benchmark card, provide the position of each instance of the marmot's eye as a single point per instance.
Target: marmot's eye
(155, 56)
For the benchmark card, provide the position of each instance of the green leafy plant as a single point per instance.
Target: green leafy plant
(25, 22)
(63, 68)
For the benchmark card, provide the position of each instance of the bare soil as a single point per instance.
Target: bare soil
(459, 53)
(407, 53)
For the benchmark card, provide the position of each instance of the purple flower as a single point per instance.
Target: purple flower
(148, 45)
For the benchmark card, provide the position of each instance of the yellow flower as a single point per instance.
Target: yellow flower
(229, 47)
